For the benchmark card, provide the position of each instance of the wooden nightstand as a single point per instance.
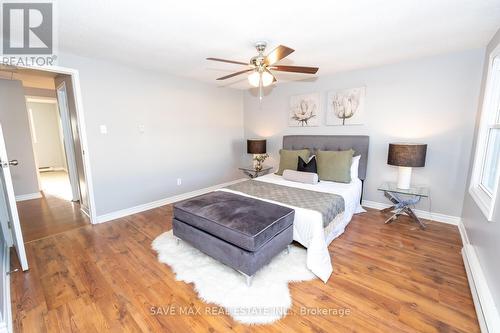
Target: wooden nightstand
(252, 173)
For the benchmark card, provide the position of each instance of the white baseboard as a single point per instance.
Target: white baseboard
(438, 217)
(49, 169)
(162, 202)
(463, 233)
(29, 196)
(487, 313)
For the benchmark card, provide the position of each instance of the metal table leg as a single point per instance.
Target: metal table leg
(415, 218)
(402, 206)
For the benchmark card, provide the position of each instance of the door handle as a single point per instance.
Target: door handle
(5, 164)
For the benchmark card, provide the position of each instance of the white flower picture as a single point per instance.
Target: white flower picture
(304, 110)
(346, 107)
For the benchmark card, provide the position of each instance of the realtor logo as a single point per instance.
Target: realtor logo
(27, 28)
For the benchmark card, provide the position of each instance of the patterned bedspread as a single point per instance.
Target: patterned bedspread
(329, 205)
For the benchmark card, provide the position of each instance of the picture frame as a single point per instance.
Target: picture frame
(346, 107)
(304, 110)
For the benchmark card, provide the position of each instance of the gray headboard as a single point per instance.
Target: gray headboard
(359, 143)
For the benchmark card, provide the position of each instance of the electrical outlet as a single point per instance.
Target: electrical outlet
(179, 181)
(142, 129)
(103, 129)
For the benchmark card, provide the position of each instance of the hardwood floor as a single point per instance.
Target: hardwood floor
(48, 216)
(390, 278)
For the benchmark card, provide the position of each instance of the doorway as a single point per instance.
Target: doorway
(51, 157)
(51, 191)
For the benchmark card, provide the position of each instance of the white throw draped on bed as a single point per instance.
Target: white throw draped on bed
(308, 224)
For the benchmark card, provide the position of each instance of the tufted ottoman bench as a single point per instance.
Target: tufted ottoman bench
(241, 232)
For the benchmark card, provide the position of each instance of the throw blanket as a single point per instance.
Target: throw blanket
(329, 205)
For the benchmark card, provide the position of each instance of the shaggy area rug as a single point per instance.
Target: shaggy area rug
(265, 301)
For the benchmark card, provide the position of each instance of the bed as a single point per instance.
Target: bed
(308, 227)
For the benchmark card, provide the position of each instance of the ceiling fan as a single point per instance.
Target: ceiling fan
(261, 66)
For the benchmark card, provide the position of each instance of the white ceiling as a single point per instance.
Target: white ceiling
(177, 36)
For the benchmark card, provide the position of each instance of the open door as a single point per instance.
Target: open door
(62, 102)
(9, 198)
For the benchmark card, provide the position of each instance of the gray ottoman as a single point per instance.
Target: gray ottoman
(241, 232)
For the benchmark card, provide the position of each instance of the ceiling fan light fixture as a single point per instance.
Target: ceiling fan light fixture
(267, 78)
(254, 79)
(259, 67)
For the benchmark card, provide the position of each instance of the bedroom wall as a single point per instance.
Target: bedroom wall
(484, 235)
(192, 131)
(431, 100)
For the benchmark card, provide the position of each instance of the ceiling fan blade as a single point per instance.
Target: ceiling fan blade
(277, 54)
(295, 69)
(229, 61)
(234, 74)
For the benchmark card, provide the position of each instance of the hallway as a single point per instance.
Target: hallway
(56, 183)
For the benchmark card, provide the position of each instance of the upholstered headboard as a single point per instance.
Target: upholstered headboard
(359, 143)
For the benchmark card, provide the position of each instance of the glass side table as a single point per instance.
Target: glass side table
(403, 205)
(252, 173)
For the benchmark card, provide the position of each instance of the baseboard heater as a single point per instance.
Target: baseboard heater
(487, 314)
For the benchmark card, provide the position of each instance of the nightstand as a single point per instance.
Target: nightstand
(403, 205)
(252, 173)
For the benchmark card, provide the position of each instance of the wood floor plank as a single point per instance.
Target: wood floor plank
(106, 278)
(48, 216)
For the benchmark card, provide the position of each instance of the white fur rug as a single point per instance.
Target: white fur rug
(265, 301)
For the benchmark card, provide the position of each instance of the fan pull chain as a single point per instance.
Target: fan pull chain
(260, 88)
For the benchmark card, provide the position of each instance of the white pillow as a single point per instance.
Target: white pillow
(355, 167)
(301, 177)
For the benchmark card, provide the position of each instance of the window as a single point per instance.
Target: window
(486, 170)
(490, 170)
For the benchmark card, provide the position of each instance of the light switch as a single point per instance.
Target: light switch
(103, 129)
(142, 129)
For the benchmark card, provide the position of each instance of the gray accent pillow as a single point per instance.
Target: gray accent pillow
(301, 176)
(335, 165)
(289, 158)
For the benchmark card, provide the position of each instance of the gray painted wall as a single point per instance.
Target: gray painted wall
(15, 124)
(484, 235)
(47, 141)
(193, 131)
(431, 100)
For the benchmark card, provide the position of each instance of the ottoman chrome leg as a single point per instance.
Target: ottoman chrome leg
(249, 278)
(288, 247)
(177, 240)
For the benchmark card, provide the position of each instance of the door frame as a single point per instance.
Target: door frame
(82, 130)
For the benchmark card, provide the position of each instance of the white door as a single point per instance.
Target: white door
(62, 102)
(10, 203)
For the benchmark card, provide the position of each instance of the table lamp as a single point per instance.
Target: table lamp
(257, 147)
(406, 156)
